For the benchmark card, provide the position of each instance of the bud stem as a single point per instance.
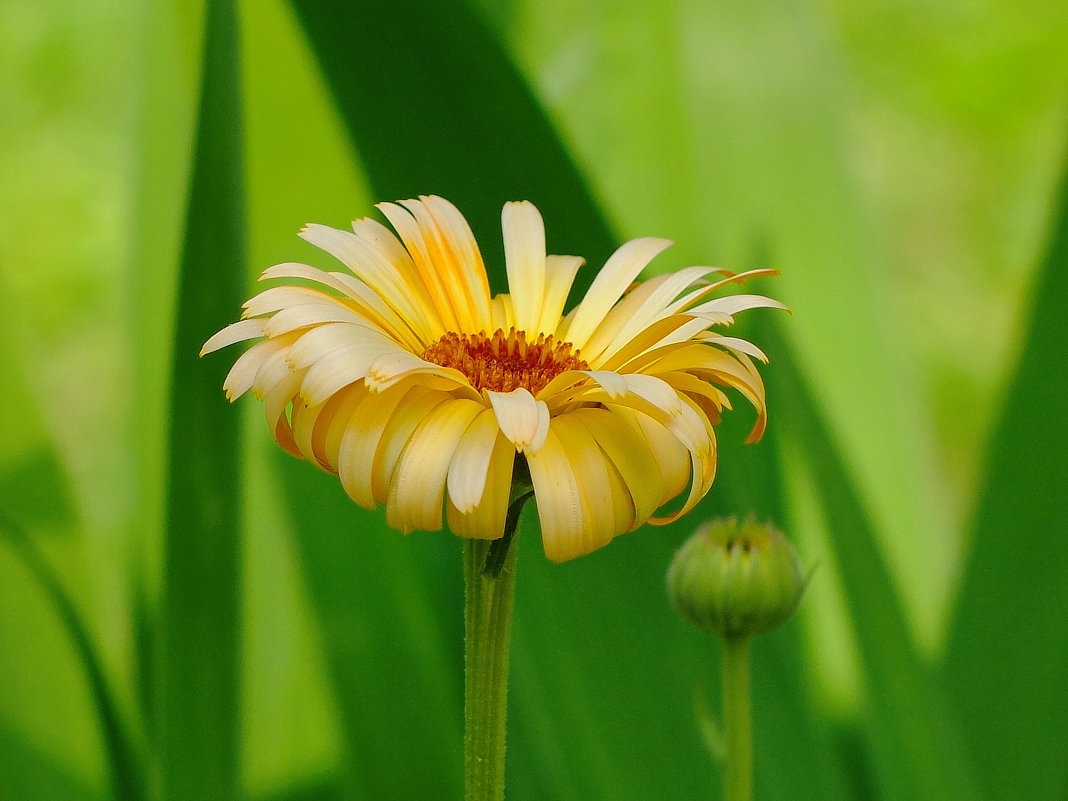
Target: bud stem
(487, 627)
(737, 719)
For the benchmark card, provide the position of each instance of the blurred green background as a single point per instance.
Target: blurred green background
(186, 613)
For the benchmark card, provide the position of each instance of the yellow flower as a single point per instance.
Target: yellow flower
(418, 389)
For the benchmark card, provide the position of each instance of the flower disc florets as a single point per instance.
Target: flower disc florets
(386, 374)
(504, 362)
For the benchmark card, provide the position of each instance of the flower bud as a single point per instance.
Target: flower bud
(736, 579)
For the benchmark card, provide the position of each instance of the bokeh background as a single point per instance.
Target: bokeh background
(186, 613)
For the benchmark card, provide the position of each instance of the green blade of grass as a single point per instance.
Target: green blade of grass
(392, 641)
(199, 659)
(1008, 648)
(917, 749)
(27, 774)
(124, 761)
(35, 497)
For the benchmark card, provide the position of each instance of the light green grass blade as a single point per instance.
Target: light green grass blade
(198, 732)
(916, 747)
(389, 619)
(28, 775)
(36, 679)
(123, 760)
(1008, 649)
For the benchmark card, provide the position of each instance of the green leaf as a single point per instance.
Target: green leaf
(123, 759)
(1007, 659)
(389, 617)
(917, 749)
(27, 774)
(199, 660)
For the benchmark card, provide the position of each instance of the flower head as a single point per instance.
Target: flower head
(736, 579)
(406, 378)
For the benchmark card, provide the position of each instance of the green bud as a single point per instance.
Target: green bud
(736, 579)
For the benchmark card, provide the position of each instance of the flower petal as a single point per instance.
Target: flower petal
(243, 374)
(322, 340)
(274, 367)
(467, 273)
(502, 315)
(732, 304)
(411, 234)
(375, 256)
(334, 421)
(617, 275)
(559, 500)
(368, 301)
(307, 315)
(445, 260)
(672, 459)
(579, 508)
(341, 367)
(639, 349)
(275, 400)
(523, 420)
(275, 298)
(698, 295)
(639, 309)
(559, 276)
(486, 520)
(375, 436)
(736, 344)
(235, 332)
(304, 420)
(613, 383)
(702, 450)
(524, 258)
(417, 489)
(470, 463)
(617, 431)
(394, 366)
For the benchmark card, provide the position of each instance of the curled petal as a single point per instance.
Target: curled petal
(341, 367)
(235, 332)
(732, 304)
(522, 419)
(470, 463)
(486, 519)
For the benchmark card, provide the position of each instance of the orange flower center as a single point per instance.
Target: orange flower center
(504, 362)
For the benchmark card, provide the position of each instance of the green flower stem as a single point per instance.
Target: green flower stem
(487, 627)
(737, 719)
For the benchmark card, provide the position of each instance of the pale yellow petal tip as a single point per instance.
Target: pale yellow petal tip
(522, 419)
(559, 551)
